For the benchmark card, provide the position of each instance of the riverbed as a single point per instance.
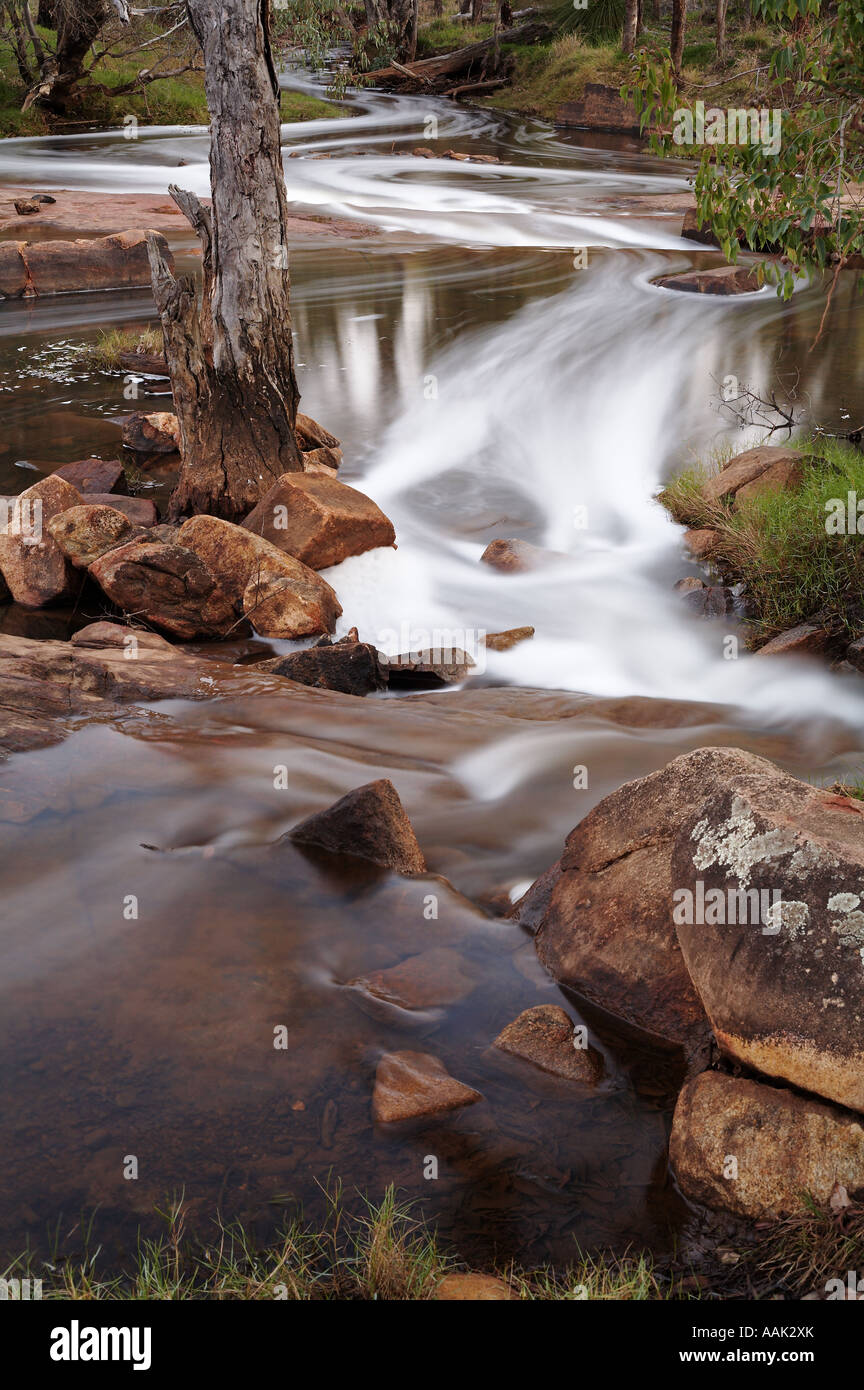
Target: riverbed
(496, 362)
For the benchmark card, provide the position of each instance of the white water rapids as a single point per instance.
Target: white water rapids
(558, 424)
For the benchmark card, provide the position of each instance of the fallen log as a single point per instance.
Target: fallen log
(460, 61)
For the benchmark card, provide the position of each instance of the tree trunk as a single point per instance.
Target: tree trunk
(232, 358)
(399, 19)
(78, 24)
(679, 25)
(45, 14)
(721, 28)
(631, 19)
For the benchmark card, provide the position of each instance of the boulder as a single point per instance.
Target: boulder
(352, 667)
(544, 1036)
(769, 873)
(59, 267)
(93, 475)
(85, 532)
(722, 279)
(805, 637)
(425, 981)
(31, 562)
(756, 470)
(503, 641)
(139, 510)
(280, 595)
(689, 584)
(370, 822)
(319, 520)
(322, 461)
(432, 667)
(603, 915)
(759, 1150)
(310, 435)
(412, 1084)
(169, 586)
(155, 433)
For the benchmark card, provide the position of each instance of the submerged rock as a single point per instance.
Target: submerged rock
(370, 822)
(544, 1036)
(280, 595)
(412, 1084)
(34, 567)
(425, 981)
(167, 585)
(758, 1150)
(770, 917)
(93, 475)
(319, 520)
(709, 601)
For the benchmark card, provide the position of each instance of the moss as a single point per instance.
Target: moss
(104, 355)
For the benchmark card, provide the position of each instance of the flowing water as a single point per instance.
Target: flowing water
(496, 362)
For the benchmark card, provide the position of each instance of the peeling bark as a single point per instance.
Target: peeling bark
(231, 357)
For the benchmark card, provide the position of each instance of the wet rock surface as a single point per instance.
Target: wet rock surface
(412, 1085)
(544, 1036)
(370, 822)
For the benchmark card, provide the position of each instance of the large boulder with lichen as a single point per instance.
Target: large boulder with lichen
(773, 930)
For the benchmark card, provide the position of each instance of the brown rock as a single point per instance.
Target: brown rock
(411, 1084)
(689, 584)
(432, 667)
(693, 231)
(370, 822)
(710, 601)
(280, 595)
(472, 1288)
(139, 510)
(429, 980)
(784, 1146)
(14, 276)
(423, 152)
(601, 108)
(25, 207)
(503, 641)
(784, 987)
(701, 543)
(352, 667)
(723, 279)
(756, 470)
(310, 435)
(103, 263)
(169, 586)
(322, 461)
(544, 1036)
(806, 637)
(607, 930)
(855, 654)
(156, 433)
(84, 533)
(33, 565)
(515, 556)
(319, 520)
(93, 475)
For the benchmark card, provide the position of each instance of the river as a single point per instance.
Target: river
(497, 362)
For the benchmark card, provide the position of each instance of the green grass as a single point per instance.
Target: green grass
(547, 75)
(384, 1253)
(777, 545)
(443, 35)
(104, 354)
(172, 101)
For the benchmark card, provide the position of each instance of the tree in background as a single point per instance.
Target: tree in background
(803, 200)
